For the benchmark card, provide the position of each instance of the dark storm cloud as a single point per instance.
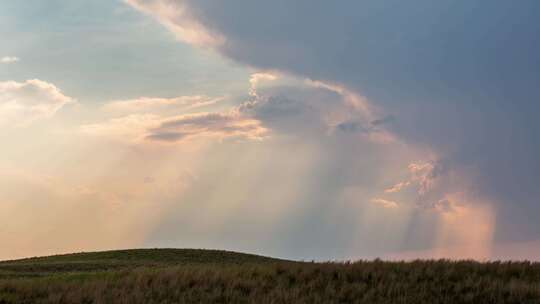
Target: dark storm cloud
(461, 77)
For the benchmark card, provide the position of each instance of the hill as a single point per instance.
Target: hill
(122, 260)
(211, 276)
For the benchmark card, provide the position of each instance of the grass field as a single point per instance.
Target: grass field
(209, 276)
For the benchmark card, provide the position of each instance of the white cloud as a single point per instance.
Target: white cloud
(22, 103)
(385, 203)
(9, 59)
(155, 104)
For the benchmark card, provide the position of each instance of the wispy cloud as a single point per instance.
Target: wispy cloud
(149, 127)
(156, 104)
(178, 18)
(220, 125)
(9, 59)
(397, 187)
(385, 203)
(24, 102)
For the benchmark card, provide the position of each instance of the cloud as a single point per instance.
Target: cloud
(151, 119)
(445, 205)
(397, 187)
(256, 78)
(464, 91)
(424, 174)
(154, 104)
(382, 121)
(433, 186)
(22, 103)
(9, 59)
(220, 125)
(374, 129)
(293, 106)
(179, 20)
(304, 109)
(149, 127)
(285, 115)
(316, 175)
(385, 203)
(127, 128)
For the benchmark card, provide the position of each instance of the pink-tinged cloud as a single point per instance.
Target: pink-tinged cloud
(385, 203)
(24, 102)
(397, 187)
(155, 104)
(155, 128)
(177, 18)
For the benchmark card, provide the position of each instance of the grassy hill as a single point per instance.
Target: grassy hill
(116, 260)
(211, 276)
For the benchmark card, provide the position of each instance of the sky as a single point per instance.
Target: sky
(308, 130)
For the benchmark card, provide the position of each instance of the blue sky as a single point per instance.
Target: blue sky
(305, 129)
(104, 50)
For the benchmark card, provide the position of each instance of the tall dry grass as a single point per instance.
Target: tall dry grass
(360, 282)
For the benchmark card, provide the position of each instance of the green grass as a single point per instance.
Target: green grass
(124, 259)
(207, 276)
